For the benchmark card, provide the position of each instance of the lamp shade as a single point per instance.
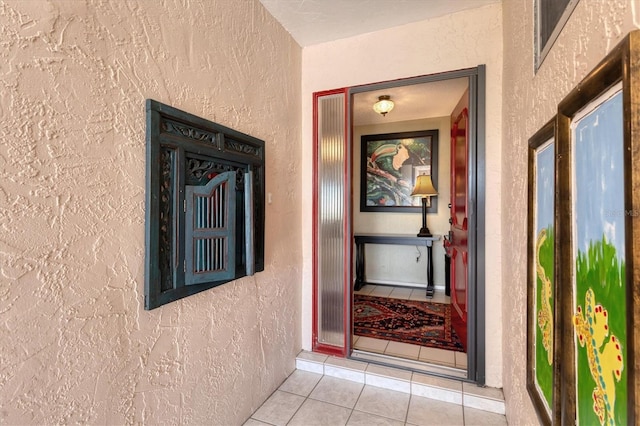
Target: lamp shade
(424, 187)
(384, 104)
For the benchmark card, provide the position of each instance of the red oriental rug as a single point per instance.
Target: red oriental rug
(409, 321)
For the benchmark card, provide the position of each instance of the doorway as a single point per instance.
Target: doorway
(389, 272)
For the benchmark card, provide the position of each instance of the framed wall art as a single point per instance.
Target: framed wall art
(390, 164)
(598, 200)
(542, 369)
(550, 17)
(216, 175)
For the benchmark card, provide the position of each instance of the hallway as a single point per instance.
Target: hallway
(457, 361)
(325, 390)
(307, 398)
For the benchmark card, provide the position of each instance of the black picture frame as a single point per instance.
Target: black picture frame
(550, 17)
(185, 150)
(387, 179)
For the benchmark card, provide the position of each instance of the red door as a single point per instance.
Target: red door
(458, 246)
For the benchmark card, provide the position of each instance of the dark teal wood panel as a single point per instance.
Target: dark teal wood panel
(183, 149)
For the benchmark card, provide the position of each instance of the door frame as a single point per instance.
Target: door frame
(318, 346)
(476, 357)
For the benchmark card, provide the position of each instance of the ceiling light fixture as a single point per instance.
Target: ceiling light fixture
(384, 105)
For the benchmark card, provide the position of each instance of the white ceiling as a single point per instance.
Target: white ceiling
(426, 100)
(318, 21)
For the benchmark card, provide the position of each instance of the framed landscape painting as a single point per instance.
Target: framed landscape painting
(599, 202)
(542, 377)
(390, 164)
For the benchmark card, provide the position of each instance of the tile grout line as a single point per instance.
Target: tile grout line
(306, 397)
(364, 385)
(411, 382)
(352, 410)
(356, 403)
(406, 415)
(462, 405)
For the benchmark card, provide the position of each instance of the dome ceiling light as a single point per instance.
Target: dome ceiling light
(384, 105)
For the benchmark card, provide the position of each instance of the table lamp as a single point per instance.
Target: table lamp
(424, 188)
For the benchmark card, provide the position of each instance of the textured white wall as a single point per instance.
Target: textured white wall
(387, 263)
(594, 28)
(456, 41)
(77, 346)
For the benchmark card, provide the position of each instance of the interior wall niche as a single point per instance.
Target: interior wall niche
(205, 192)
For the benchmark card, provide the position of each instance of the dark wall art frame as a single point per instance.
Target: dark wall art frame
(550, 17)
(543, 378)
(390, 164)
(184, 153)
(598, 264)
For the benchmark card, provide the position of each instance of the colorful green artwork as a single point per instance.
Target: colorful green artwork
(544, 264)
(599, 317)
(544, 314)
(391, 166)
(601, 372)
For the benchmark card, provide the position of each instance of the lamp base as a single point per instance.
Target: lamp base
(424, 232)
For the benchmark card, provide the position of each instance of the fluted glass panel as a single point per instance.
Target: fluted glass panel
(331, 194)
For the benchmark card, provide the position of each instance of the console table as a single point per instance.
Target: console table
(362, 239)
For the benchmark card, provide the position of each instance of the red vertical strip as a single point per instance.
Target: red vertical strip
(317, 346)
(346, 232)
(314, 333)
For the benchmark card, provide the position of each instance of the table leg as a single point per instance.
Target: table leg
(359, 267)
(430, 287)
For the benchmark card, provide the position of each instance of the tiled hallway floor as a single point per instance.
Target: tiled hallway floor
(330, 391)
(308, 398)
(406, 350)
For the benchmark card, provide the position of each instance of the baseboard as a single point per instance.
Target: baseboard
(403, 284)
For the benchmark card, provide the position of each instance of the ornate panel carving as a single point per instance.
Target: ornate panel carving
(184, 150)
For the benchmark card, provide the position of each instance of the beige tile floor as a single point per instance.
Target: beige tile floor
(307, 398)
(406, 350)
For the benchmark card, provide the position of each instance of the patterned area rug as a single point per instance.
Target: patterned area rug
(408, 321)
